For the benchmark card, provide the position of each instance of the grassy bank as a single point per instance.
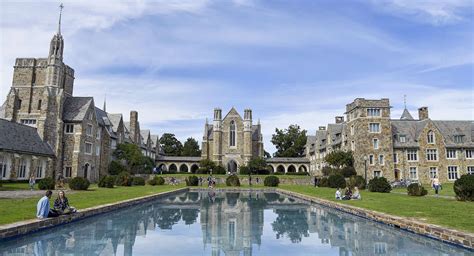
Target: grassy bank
(13, 210)
(440, 211)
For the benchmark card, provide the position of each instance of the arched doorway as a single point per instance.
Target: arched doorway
(291, 168)
(162, 168)
(280, 168)
(183, 168)
(396, 174)
(302, 169)
(271, 169)
(86, 170)
(194, 168)
(173, 168)
(232, 166)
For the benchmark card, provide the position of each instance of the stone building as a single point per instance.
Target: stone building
(405, 148)
(232, 141)
(81, 136)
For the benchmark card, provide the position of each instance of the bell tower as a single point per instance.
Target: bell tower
(247, 135)
(55, 72)
(217, 136)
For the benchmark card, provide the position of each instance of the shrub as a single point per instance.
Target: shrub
(299, 173)
(416, 189)
(79, 183)
(244, 170)
(46, 184)
(379, 184)
(192, 181)
(324, 182)
(464, 188)
(336, 181)
(106, 182)
(138, 181)
(271, 181)
(327, 171)
(278, 173)
(202, 171)
(357, 181)
(218, 170)
(233, 181)
(116, 167)
(123, 179)
(348, 171)
(156, 180)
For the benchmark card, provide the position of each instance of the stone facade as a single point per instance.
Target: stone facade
(397, 149)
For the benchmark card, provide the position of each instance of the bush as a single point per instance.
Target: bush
(244, 170)
(116, 167)
(156, 180)
(416, 189)
(218, 170)
(348, 171)
(192, 181)
(79, 183)
(46, 184)
(138, 181)
(323, 182)
(298, 173)
(123, 179)
(336, 181)
(271, 181)
(202, 171)
(327, 171)
(106, 182)
(357, 181)
(233, 181)
(464, 188)
(379, 184)
(278, 173)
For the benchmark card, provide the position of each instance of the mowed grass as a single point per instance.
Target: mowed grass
(15, 186)
(440, 211)
(447, 190)
(13, 210)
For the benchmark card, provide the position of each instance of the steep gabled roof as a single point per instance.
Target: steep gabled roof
(450, 129)
(232, 111)
(411, 129)
(75, 108)
(115, 120)
(15, 137)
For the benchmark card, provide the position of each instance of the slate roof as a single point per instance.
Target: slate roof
(179, 158)
(2, 110)
(334, 130)
(19, 138)
(406, 115)
(154, 138)
(144, 134)
(321, 136)
(310, 143)
(102, 117)
(114, 120)
(275, 160)
(75, 108)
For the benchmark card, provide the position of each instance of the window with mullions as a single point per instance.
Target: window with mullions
(232, 134)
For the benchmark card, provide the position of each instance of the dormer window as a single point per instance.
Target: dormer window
(458, 138)
(402, 138)
(431, 137)
(91, 116)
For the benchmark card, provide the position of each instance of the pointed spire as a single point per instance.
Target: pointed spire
(61, 6)
(405, 101)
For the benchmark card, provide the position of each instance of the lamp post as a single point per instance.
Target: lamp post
(365, 169)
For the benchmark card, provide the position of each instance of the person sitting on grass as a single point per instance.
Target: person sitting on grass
(356, 194)
(347, 194)
(338, 194)
(42, 208)
(61, 204)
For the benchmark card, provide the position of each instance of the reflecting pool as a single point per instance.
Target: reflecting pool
(208, 223)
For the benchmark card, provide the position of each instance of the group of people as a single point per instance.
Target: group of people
(348, 194)
(61, 206)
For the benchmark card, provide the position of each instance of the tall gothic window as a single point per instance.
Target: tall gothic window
(232, 134)
(431, 137)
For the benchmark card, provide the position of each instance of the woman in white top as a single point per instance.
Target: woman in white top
(435, 184)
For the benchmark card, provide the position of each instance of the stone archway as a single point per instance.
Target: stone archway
(232, 166)
(162, 168)
(87, 168)
(183, 168)
(302, 168)
(173, 168)
(291, 168)
(194, 168)
(280, 168)
(271, 168)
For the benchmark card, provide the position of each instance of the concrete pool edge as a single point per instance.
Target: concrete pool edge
(443, 234)
(9, 231)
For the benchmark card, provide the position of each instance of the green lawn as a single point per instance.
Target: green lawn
(440, 211)
(446, 191)
(15, 186)
(13, 210)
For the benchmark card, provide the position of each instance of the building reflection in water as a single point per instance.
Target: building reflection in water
(231, 224)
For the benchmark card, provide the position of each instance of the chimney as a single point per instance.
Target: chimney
(339, 119)
(322, 128)
(423, 113)
(134, 127)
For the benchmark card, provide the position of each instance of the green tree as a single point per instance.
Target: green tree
(135, 161)
(206, 165)
(266, 154)
(170, 145)
(191, 148)
(257, 163)
(289, 142)
(339, 159)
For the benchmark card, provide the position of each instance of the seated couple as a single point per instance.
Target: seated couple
(61, 206)
(348, 194)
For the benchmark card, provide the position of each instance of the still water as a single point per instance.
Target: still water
(208, 223)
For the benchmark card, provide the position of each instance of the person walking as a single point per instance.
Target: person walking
(436, 184)
(32, 182)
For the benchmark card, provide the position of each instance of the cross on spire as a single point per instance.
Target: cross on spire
(61, 6)
(405, 100)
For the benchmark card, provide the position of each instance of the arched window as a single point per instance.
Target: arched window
(431, 137)
(232, 134)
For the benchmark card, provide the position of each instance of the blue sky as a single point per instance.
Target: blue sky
(290, 61)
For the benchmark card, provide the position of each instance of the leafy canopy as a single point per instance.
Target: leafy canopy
(191, 148)
(340, 158)
(289, 142)
(170, 145)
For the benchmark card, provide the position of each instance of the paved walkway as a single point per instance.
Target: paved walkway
(440, 196)
(16, 194)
